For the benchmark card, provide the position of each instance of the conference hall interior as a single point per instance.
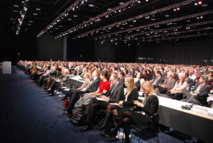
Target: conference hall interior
(96, 71)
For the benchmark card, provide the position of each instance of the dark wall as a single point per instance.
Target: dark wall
(187, 52)
(111, 52)
(80, 50)
(11, 45)
(49, 48)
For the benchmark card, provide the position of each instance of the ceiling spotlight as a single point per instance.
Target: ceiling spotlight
(91, 5)
(15, 5)
(200, 2)
(38, 9)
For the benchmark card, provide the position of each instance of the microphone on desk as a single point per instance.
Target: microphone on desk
(187, 107)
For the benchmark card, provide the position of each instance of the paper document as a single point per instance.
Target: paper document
(100, 99)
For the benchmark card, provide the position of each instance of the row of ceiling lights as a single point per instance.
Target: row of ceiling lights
(22, 15)
(133, 19)
(153, 24)
(73, 7)
(105, 15)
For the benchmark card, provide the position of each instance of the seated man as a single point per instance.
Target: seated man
(78, 93)
(169, 83)
(83, 87)
(157, 80)
(115, 94)
(199, 93)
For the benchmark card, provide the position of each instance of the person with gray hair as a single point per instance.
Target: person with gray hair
(199, 93)
(168, 84)
(177, 91)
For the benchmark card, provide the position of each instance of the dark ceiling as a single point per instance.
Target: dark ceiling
(116, 20)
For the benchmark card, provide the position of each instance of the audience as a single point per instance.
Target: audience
(193, 84)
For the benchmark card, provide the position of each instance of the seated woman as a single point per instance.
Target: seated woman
(127, 103)
(141, 115)
(177, 91)
(103, 88)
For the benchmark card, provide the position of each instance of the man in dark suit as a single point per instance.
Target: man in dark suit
(78, 93)
(121, 76)
(169, 83)
(157, 80)
(115, 94)
(199, 93)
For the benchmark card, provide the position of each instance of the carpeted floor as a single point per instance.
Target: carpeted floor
(29, 115)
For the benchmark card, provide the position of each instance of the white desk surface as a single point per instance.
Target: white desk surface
(176, 105)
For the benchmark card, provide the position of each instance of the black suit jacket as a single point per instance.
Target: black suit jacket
(138, 85)
(203, 94)
(190, 81)
(121, 81)
(130, 99)
(94, 85)
(57, 75)
(117, 94)
(160, 81)
(151, 106)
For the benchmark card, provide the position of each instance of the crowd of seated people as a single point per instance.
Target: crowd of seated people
(104, 89)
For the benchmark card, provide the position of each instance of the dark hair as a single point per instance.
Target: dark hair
(105, 74)
(58, 69)
(122, 73)
(158, 72)
(187, 74)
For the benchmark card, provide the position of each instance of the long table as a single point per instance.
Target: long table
(197, 122)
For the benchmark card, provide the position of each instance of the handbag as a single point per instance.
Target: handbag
(66, 103)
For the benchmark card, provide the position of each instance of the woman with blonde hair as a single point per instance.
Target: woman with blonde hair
(141, 115)
(128, 102)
